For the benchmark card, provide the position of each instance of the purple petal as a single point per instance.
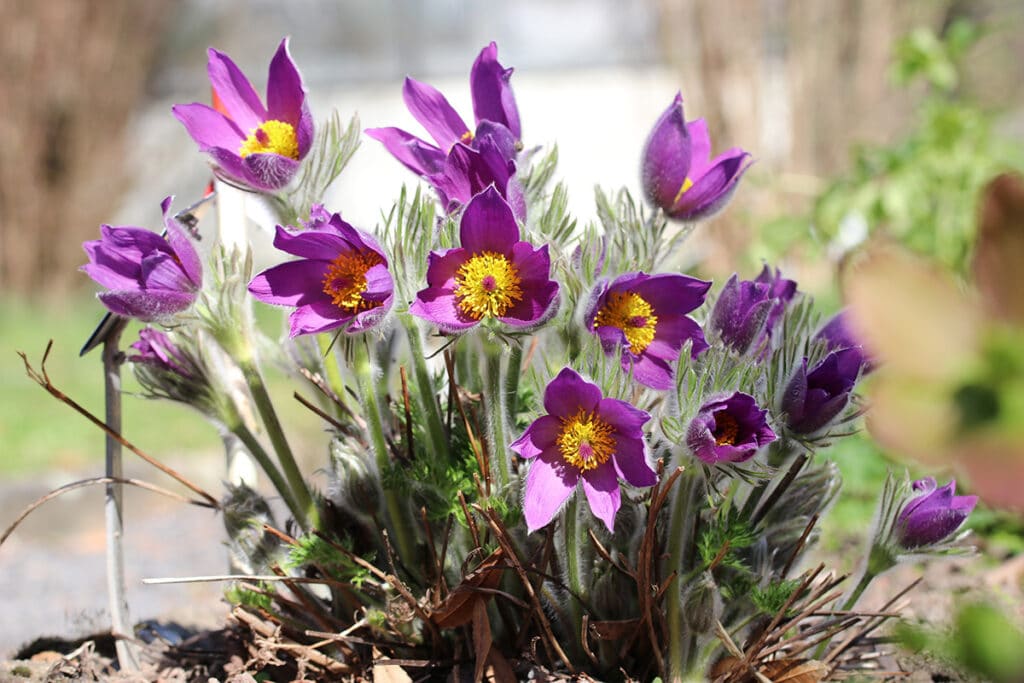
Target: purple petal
(312, 244)
(538, 437)
(434, 113)
(700, 147)
(286, 96)
(183, 249)
(488, 224)
(232, 168)
(273, 171)
(419, 157)
(667, 156)
(568, 393)
(379, 283)
(317, 316)
(162, 271)
(649, 370)
(441, 268)
(548, 486)
(493, 99)
(146, 306)
(291, 284)
(367, 319)
(235, 92)
(602, 489)
(671, 294)
(712, 191)
(671, 333)
(440, 307)
(631, 462)
(208, 127)
(627, 420)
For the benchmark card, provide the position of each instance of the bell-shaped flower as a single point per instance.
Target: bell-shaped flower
(731, 429)
(463, 161)
(149, 276)
(837, 334)
(252, 146)
(933, 516)
(747, 310)
(645, 316)
(341, 280)
(492, 274)
(584, 437)
(677, 173)
(812, 399)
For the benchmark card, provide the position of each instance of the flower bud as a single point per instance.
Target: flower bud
(702, 604)
(813, 399)
(933, 516)
(353, 482)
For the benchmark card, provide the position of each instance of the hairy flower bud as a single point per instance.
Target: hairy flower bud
(702, 604)
(353, 481)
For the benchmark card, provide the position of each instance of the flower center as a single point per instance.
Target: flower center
(726, 429)
(629, 312)
(687, 184)
(586, 441)
(274, 137)
(345, 280)
(487, 285)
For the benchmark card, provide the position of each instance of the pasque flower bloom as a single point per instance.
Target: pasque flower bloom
(747, 310)
(491, 275)
(813, 399)
(155, 348)
(252, 145)
(933, 516)
(150, 276)
(731, 429)
(645, 315)
(677, 173)
(463, 162)
(583, 437)
(341, 280)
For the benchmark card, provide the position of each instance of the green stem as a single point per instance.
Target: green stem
(497, 414)
(512, 374)
(866, 578)
(265, 406)
(573, 571)
(257, 451)
(331, 369)
(425, 387)
(680, 538)
(396, 509)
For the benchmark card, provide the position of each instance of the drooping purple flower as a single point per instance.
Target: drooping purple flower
(251, 145)
(813, 399)
(837, 334)
(933, 516)
(583, 437)
(645, 315)
(341, 280)
(677, 172)
(491, 275)
(463, 162)
(155, 348)
(150, 276)
(729, 430)
(747, 310)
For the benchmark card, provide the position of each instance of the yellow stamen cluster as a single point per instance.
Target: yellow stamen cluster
(629, 312)
(345, 280)
(275, 137)
(687, 184)
(586, 441)
(726, 429)
(487, 285)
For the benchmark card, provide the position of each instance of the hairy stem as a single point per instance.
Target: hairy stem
(680, 540)
(425, 387)
(269, 468)
(497, 415)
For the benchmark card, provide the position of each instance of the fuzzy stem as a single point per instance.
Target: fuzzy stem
(269, 468)
(680, 539)
(497, 414)
(573, 571)
(397, 511)
(425, 387)
(512, 374)
(297, 484)
(127, 654)
(331, 369)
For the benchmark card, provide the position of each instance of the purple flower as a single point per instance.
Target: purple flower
(813, 399)
(587, 437)
(491, 275)
(747, 310)
(150, 276)
(157, 350)
(729, 430)
(837, 334)
(463, 162)
(933, 516)
(677, 174)
(646, 316)
(251, 145)
(341, 280)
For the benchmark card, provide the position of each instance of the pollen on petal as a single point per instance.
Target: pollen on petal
(274, 137)
(487, 285)
(345, 280)
(631, 313)
(585, 440)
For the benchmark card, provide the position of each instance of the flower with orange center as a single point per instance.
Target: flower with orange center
(731, 429)
(644, 317)
(492, 275)
(584, 438)
(342, 281)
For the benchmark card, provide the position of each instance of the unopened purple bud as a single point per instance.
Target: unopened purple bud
(813, 399)
(933, 516)
(837, 334)
(747, 310)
